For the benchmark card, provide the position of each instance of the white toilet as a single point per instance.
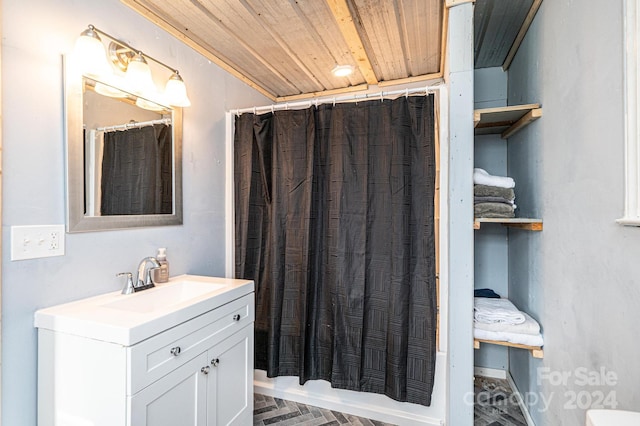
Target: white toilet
(612, 418)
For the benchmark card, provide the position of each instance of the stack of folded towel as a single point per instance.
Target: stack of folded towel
(493, 196)
(499, 319)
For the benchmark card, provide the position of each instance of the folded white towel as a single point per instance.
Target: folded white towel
(500, 336)
(482, 177)
(496, 310)
(529, 326)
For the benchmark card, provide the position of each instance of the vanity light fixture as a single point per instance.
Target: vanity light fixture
(176, 90)
(106, 90)
(89, 46)
(137, 73)
(342, 70)
(149, 105)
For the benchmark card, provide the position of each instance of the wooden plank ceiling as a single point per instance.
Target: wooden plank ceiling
(286, 49)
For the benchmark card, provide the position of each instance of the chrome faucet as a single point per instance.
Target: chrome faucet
(128, 287)
(144, 280)
(144, 273)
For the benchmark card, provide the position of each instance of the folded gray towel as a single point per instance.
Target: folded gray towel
(493, 191)
(494, 210)
(478, 200)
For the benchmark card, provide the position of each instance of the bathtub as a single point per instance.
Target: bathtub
(373, 406)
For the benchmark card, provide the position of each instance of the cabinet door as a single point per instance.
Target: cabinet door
(179, 398)
(230, 387)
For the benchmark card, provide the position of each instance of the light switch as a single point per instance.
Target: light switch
(31, 242)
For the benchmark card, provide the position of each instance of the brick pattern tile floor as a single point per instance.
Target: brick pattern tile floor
(278, 412)
(495, 405)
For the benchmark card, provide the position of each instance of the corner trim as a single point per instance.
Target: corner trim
(229, 206)
(632, 120)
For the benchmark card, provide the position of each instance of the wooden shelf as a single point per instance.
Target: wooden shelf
(505, 121)
(526, 224)
(536, 351)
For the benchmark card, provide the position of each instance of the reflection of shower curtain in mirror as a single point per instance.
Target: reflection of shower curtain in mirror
(137, 173)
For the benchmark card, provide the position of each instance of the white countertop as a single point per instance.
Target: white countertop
(131, 318)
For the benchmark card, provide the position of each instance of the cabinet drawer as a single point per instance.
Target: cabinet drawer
(155, 357)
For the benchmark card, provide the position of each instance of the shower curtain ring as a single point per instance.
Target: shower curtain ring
(254, 110)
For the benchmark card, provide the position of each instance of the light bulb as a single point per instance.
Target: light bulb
(138, 77)
(342, 70)
(92, 55)
(175, 92)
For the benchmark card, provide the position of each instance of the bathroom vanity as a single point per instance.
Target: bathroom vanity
(177, 354)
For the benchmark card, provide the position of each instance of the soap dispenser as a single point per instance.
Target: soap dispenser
(161, 274)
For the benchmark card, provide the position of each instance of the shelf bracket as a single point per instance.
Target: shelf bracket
(537, 226)
(529, 117)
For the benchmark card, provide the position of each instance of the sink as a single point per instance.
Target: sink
(163, 297)
(127, 319)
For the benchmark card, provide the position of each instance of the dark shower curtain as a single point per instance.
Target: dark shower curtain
(334, 222)
(137, 175)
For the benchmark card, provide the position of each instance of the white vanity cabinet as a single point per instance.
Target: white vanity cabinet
(215, 388)
(197, 372)
(179, 398)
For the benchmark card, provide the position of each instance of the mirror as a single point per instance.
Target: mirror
(124, 158)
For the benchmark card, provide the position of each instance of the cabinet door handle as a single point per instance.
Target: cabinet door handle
(205, 369)
(176, 351)
(215, 362)
(236, 317)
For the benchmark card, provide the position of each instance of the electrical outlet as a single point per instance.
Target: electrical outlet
(31, 242)
(53, 240)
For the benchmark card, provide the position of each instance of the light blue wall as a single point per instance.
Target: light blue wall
(490, 88)
(35, 34)
(579, 276)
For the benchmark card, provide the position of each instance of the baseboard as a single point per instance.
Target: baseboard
(492, 373)
(523, 407)
(320, 394)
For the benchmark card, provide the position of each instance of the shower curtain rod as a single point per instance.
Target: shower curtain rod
(327, 100)
(133, 125)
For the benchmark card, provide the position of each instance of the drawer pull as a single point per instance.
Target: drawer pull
(176, 351)
(215, 362)
(236, 317)
(205, 369)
